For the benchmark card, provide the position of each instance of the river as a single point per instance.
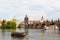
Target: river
(34, 34)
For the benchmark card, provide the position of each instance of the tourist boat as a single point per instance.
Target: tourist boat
(18, 34)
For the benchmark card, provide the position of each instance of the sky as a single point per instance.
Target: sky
(35, 9)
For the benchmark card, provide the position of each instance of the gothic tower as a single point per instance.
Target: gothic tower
(26, 24)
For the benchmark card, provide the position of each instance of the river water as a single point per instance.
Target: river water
(34, 34)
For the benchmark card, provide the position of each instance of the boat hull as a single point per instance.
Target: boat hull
(17, 34)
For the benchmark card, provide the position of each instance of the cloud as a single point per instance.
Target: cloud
(50, 9)
(35, 8)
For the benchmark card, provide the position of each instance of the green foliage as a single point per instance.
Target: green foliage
(4, 25)
(9, 24)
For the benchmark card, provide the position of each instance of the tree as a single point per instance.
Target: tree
(11, 24)
(4, 24)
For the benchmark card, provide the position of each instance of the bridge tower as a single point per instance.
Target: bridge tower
(26, 24)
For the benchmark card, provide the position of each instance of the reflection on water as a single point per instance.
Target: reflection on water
(34, 34)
